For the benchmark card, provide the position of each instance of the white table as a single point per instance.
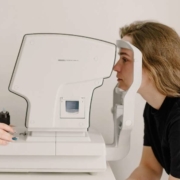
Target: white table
(107, 175)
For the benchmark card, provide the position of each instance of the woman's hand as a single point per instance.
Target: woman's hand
(6, 132)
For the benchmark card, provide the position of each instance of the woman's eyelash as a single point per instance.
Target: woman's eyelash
(124, 59)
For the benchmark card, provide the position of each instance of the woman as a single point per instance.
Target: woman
(160, 47)
(160, 87)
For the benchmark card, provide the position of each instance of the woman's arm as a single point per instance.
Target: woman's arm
(149, 168)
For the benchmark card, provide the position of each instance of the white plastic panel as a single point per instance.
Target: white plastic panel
(78, 147)
(50, 66)
(22, 148)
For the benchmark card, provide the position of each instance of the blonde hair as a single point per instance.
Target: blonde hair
(160, 47)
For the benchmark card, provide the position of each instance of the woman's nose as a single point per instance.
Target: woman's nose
(117, 67)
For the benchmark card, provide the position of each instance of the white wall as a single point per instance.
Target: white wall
(96, 18)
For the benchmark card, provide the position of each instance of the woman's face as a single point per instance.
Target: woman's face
(124, 66)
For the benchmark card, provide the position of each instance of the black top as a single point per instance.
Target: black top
(162, 133)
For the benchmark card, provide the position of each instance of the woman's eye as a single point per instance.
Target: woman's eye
(124, 59)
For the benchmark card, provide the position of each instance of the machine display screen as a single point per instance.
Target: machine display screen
(72, 106)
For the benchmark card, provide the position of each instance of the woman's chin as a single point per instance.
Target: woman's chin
(122, 87)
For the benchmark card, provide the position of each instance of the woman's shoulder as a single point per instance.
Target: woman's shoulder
(174, 111)
(169, 110)
(174, 105)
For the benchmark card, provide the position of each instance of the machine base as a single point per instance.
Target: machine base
(57, 156)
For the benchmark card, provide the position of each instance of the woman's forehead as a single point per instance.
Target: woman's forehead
(124, 51)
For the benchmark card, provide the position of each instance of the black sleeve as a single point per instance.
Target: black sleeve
(174, 145)
(146, 126)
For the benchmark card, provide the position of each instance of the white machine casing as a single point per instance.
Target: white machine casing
(124, 107)
(57, 74)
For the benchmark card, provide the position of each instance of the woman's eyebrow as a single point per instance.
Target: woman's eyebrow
(123, 53)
